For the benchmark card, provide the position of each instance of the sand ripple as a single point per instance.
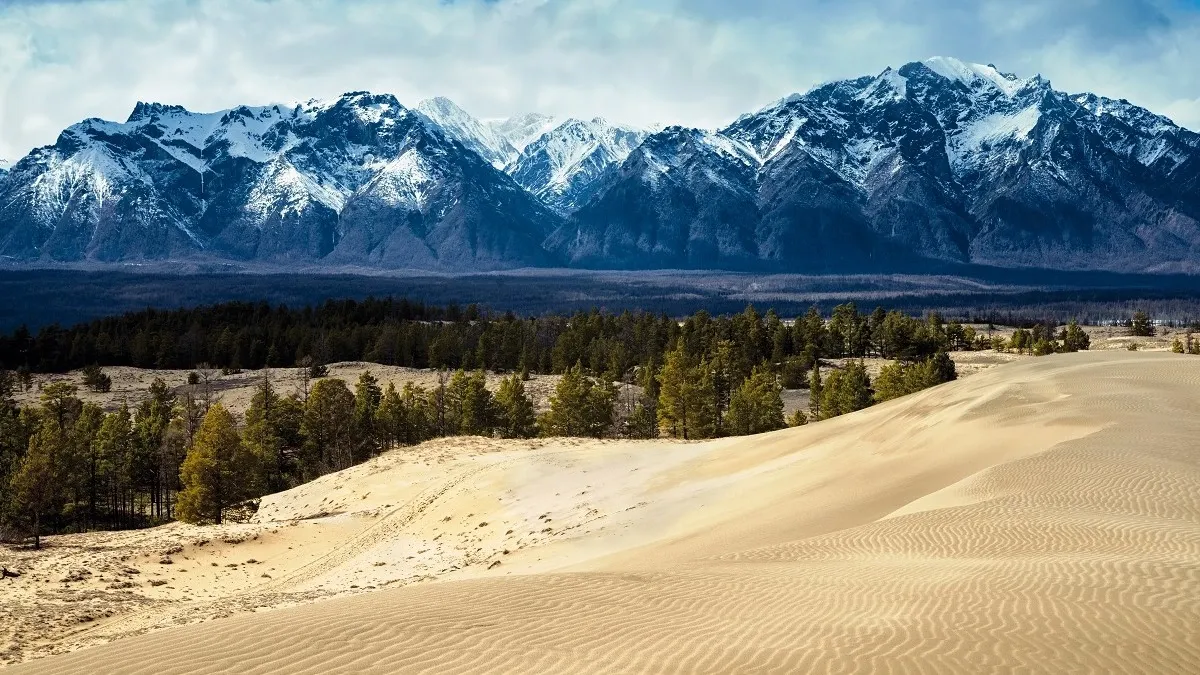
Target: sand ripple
(1040, 517)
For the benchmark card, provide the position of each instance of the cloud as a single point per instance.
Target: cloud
(698, 62)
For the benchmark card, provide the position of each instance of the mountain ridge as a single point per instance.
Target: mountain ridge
(935, 162)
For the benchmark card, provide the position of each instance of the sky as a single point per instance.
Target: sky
(692, 62)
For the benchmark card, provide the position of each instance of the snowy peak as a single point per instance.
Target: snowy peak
(522, 130)
(974, 75)
(144, 110)
(562, 165)
(679, 148)
(473, 134)
(1126, 112)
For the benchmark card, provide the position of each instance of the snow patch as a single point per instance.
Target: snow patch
(522, 130)
(473, 134)
(992, 129)
(787, 137)
(732, 148)
(973, 74)
(285, 187)
(404, 181)
(889, 86)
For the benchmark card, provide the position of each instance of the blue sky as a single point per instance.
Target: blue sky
(697, 62)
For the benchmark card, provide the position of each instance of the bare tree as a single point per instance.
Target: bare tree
(209, 376)
(304, 365)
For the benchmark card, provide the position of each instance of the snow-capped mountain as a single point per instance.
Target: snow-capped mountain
(683, 198)
(938, 160)
(562, 166)
(355, 180)
(475, 135)
(931, 164)
(522, 130)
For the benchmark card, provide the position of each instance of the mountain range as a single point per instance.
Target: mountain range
(932, 165)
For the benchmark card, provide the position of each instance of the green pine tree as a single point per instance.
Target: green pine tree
(217, 472)
(755, 406)
(515, 413)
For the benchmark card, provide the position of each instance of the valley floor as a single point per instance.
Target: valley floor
(1040, 516)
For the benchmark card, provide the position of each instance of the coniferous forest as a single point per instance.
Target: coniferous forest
(66, 465)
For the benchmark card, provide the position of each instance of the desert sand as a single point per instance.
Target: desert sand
(1038, 516)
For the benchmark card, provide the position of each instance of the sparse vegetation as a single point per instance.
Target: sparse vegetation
(1140, 325)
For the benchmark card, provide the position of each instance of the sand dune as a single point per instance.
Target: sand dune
(1041, 516)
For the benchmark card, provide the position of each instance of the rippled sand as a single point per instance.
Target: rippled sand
(1042, 516)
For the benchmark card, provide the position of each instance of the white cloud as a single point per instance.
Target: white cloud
(673, 61)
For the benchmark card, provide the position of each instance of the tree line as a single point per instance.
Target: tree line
(241, 335)
(67, 465)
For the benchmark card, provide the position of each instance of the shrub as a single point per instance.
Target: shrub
(96, 379)
(797, 419)
(1043, 347)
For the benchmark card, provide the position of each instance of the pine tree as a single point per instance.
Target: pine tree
(516, 416)
(1021, 340)
(1141, 326)
(756, 406)
(328, 427)
(690, 400)
(846, 391)
(392, 418)
(37, 484)
(261, 435)
(85, 471)
(367, 395)
(579, 407)
(479, 407)
(418, 404)
(643, 422)
(900, 379)
(61, 404)
(151, 469)
(470, 410)
(115, 452)
(939, 368)
(14, 436)
(95, 379)
(815, 390)
(1074, 338)
(892, 382)
(217, 472)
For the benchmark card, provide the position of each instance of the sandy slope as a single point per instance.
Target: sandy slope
(1042, 516)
